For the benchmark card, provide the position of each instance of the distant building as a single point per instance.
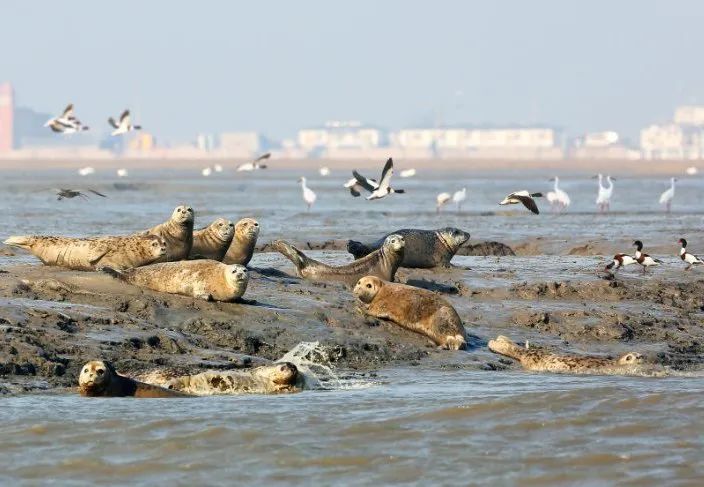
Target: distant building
(339, 136)
(672, 141)
(240, 144)
(602, 145)
(205, 142)
(7, 114)
(689, 115)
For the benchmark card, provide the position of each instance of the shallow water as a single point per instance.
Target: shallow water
(414, 425)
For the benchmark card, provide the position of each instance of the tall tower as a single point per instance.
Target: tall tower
(7, 108)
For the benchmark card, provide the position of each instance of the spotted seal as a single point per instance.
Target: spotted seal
(177, 232)
(93, 253)
(415, 309)
(382, 263)
(213, 241)
(541, 360)
(99, 379)
(204, 279)
(425, 249)
(245, 239)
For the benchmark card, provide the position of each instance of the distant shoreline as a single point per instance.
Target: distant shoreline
(562, 166)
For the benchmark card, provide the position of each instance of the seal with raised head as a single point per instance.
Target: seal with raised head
(213, 241)
(99, 379)
(242, 246)
(266, 379)
(425, 249)
(93, 253)
(382, 263)
(541, 360)
(205, 279)
(414, 309)
(177, 232)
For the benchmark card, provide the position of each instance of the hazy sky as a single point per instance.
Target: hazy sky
(275, 66)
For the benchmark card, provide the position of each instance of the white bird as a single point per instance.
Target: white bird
(324, 171)
(356, 188)
(122, 173)
(384, 189)
(523, 197)
(667, 196)
(690, 259)
(692, 171)
(441, 200)
(309, 195)
(254, 165)
(217, 167)
(557, 196)
(206, 172)
(124, 124)
(85, 171)
(603, 199)
(66, 123)
(407, 173)
(459, 197)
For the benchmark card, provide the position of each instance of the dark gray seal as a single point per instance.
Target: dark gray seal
(425, 249)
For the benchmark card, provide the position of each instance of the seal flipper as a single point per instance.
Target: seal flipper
(98, 253)
(114, 273)
(299, 259)
(358, 249)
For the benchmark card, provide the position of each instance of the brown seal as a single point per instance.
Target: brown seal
(99, 379)
(415, 309)
(242, 246)
(213, 241)
(425, 249)
(542, 360)
(266, 379)
(382, 263)
(204, 279)
(177, 232)
(93, 253)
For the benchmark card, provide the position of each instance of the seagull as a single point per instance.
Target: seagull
(324, 171)
(64, 193)
(122, 173)
(523, 197)
(356, 187)
(207, 172)
(667, 196)
(254, 165)
(85, 171)
(690, 259)
(407, 173)
(441, 200)
(66, 123)
(644, 259)
(459, 197)
(384, 188)
(124, 125)
(309, 195)
(557, 196)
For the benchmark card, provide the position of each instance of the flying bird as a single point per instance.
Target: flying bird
(523, 197)
(356, 187)
(384, 188)
(254, 165)
(63, 193)
(667, 196)
(124, 125)
(66, 123)
(309, 195)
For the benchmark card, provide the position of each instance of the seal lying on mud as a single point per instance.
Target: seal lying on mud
(424, 248)
(204, 279)
(267, 379)
(177, 232)
(412, 308)
(541, 360)
(99, 379)
(86, 254)
(242, 246)
(382, 263)
(213, 241)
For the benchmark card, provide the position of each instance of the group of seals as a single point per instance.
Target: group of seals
(382, 263)
(93, 253)
(204, 279)
(541, 360)
(412, 308)
(99, 379)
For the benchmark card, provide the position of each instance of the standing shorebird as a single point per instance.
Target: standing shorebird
(644, 259)
(309, 195)
(557, 197)
(459, 197)
(690, 259)
(667, 196)
(441, 200)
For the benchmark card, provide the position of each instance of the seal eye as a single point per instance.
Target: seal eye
(369, 286)
(100, 371)
(256, 224)
(85, 371)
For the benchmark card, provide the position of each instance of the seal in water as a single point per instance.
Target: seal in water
(99, 379)
(213, 241)
(541, 360)
(242, 246)
(424, 248)
(382, 263)
(204, 279)
(266, 379)
(177, 232)
(87, 254)
(415, 309)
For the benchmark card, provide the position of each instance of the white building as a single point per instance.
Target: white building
(240, 144)
(337, 135)
(689, 115)
(672, 141)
